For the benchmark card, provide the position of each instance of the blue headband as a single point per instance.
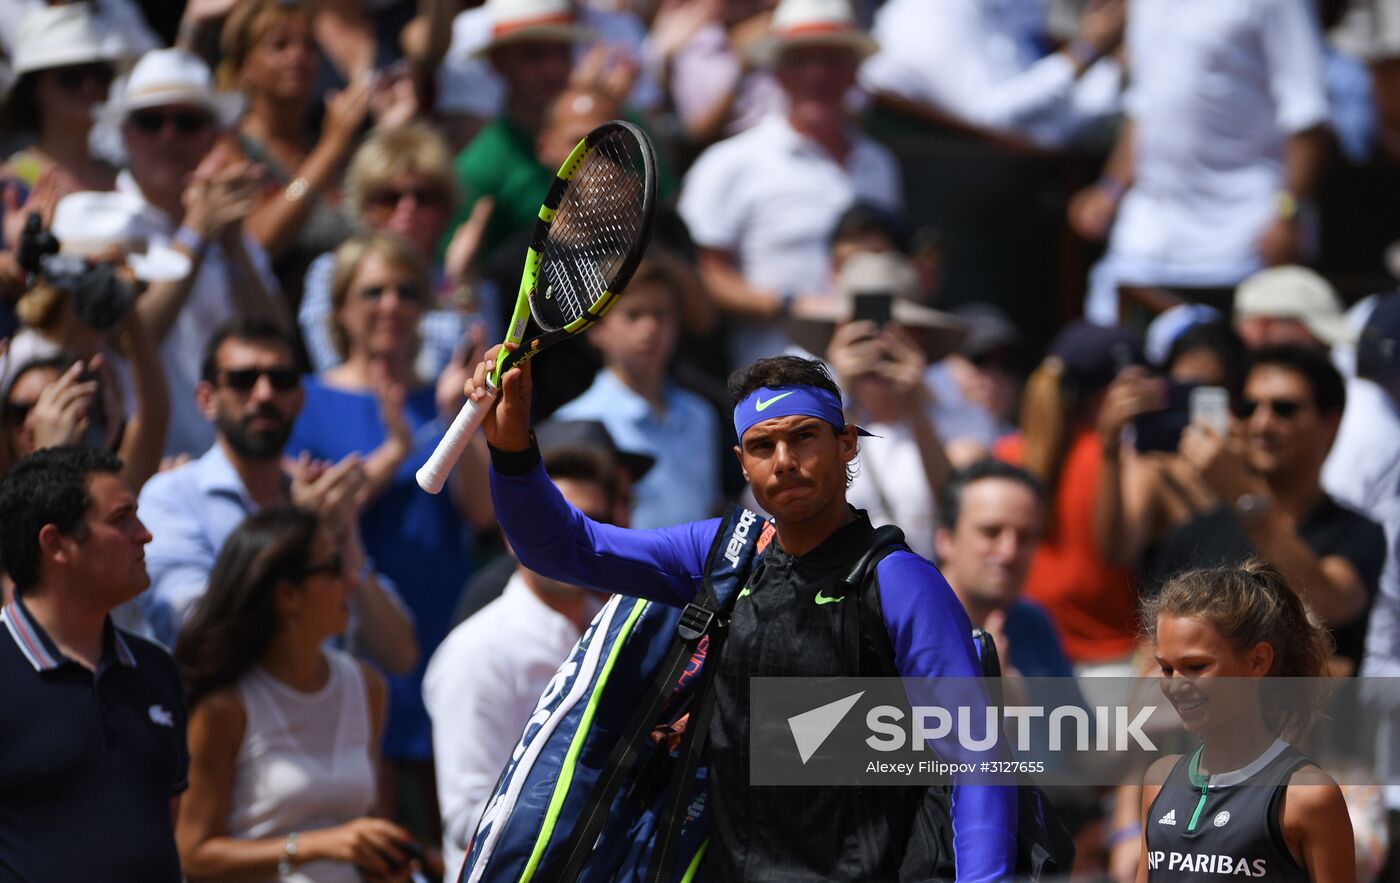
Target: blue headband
(809, 401)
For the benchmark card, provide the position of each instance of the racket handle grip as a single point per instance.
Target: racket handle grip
(433, 475)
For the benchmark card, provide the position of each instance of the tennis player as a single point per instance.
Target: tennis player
(795, 449)
(1246, 803)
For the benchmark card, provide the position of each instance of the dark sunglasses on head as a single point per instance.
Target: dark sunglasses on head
(390, 197)
(244, 379)
(333, 566)
(1283, 408)
(73, 78)
(186, 122)
(407, 291)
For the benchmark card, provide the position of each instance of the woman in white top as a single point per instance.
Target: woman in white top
(283, 733)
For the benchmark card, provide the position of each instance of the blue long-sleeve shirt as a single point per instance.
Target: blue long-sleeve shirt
(666, 565)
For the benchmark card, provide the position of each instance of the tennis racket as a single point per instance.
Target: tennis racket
(592, 231)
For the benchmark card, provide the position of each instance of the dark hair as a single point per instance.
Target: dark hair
(243, 328)
(781, 371)
(60, 363)
(950, 500)
(1221, 341)
(585, 464)
(236, 621)
(868, 219)
(22, 112)
(1328, 389)
(49, 486)
(1251, 604)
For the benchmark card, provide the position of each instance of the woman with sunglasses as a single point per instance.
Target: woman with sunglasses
(1245, 802)
(271, 56)
(282, 731)
(374, 403)
(64, 69)
(401, 181)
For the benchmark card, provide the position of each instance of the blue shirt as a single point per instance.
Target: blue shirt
(91, 759)
(684, 485)
(667, 565)
(417, 539)
(1036, 651)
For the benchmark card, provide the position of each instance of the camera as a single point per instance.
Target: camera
(100, 297)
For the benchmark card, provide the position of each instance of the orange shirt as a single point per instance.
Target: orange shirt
(1093, 605)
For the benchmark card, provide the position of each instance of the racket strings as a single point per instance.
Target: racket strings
(599, 220)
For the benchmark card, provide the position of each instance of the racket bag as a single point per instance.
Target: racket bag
(605, 783)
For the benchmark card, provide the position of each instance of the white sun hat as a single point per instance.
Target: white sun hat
(167, 77)
(518, 21)
(59, 36)
(89, 223)
(813, 23)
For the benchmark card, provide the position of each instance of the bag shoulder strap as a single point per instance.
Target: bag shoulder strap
(876, 650)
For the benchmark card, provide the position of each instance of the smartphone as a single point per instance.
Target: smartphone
(96, 435)
(1210, 406)
(1161, 430)
(874, 307)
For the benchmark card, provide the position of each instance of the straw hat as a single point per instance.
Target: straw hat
(166, 77)
(90, 223)
(59, 36)
(879, 273)
(519, 21)
(799, 23)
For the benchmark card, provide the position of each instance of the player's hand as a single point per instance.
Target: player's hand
(507, 426)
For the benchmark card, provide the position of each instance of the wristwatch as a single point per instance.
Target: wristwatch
(285, 865)
(1252, 507)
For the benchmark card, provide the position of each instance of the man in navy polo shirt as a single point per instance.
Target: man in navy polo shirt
(92, 719)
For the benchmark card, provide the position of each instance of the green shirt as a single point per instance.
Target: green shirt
(500, 162)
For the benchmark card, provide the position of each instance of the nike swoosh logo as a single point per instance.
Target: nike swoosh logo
(744, 591)
(823, 599)
(761, 405)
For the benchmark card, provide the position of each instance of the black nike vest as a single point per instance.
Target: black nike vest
(778, 629)
(1235, 831)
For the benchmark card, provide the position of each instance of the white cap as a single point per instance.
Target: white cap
(1295, 293)
(59, 36)
(518, 21)
(167, 77)
(813, 23)
(89, 223)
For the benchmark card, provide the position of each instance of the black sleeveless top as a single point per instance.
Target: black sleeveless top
(796, 833)
(1227, 828)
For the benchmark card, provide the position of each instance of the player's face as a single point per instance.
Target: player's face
(987, 553)
(1286, 433)
(797, 465)
(1205, 676)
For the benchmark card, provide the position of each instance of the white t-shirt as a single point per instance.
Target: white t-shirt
(891, 486)
(479, 688)
(982, 61)
(772, 196)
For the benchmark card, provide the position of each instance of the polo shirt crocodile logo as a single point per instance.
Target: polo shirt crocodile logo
(761, 405)
(824, 599)
(159, 715)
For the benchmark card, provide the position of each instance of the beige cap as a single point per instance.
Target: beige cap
(1293, 292)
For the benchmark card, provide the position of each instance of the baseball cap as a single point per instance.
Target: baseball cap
(555, 434)
(1094, 354)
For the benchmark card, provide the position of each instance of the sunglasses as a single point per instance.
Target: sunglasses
(405, 291)
(389, 197)
(1283, 408)
(244, 379)
(18, 412)
(186, 122)
(333, 566)
(73, 79)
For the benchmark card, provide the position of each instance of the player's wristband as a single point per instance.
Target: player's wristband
(515, 463)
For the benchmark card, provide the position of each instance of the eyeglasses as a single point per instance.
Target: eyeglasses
(74, 78)
(244, 379)
(1284, 409)
(18, 412)
(186, 122)
(405, 291)
(390, 197)
(333, 566)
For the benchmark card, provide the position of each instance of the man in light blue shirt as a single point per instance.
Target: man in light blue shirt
(646, 411)
(250, 389)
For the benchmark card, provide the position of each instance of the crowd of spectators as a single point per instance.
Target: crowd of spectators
(250, 250)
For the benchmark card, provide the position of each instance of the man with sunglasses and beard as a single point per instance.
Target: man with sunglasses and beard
(250, 390)
(1267, 476)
